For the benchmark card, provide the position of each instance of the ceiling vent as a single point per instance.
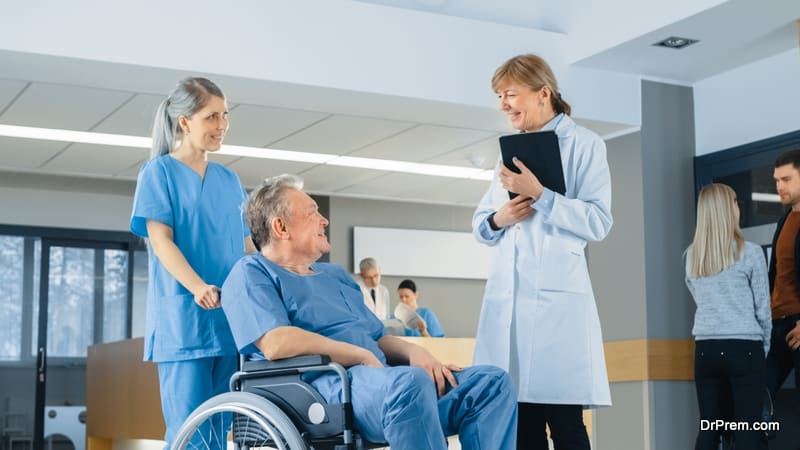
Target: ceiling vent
(676, 42)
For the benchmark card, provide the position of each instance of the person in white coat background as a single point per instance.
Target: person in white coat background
(539, 320)
(376, 295)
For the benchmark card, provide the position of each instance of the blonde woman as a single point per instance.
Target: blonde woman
(727, 277)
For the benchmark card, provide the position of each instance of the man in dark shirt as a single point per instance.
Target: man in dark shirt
(784, 277)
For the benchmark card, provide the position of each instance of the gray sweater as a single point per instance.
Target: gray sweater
(735, 303)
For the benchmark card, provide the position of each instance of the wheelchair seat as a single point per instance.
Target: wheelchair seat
(271, 405)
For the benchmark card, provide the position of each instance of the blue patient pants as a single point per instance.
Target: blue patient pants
(399, 405)
(187, 384)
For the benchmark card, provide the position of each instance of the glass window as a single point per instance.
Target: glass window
(71, 295)
(12, 255)
(115, 295)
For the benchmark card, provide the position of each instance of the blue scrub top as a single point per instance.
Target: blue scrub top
(260, 295)
(431, 322)
(209, 227)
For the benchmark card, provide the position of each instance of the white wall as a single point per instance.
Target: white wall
(747, 104)
(62, 202)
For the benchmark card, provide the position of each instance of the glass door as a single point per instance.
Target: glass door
(84, 293)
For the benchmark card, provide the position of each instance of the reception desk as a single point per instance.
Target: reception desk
(122, 398)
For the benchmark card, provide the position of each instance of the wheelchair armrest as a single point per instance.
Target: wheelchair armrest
(286, 363)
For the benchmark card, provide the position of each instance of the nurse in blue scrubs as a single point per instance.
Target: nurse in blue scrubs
(407, 292)
(190, 210)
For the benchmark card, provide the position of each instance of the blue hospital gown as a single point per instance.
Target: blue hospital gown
(398, 405)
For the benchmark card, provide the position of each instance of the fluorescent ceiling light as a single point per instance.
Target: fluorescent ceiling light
(119, 140)
(764, 197)
(85, 137)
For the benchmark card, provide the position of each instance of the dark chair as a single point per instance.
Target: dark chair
(271, 405)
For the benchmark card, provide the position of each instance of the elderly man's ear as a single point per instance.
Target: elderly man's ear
(279, 229)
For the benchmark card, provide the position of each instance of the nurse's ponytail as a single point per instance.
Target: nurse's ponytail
(188, 97)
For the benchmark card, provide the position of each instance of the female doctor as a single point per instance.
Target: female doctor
(539, 320)
(190, 210)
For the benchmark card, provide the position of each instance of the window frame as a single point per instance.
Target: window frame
(84, 238)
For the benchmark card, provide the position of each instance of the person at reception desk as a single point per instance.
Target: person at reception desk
(190, 211)
(282, 303)
(539, 320)
(784, 277)
(376, 295)
(428, 325)
(727, 278)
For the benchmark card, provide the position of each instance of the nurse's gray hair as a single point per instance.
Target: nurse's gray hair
(189, 96)
(266, 203)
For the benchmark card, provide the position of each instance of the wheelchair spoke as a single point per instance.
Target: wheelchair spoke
(253, 422)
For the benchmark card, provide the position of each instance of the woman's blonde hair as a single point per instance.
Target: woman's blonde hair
(717, 229)
(534, 72)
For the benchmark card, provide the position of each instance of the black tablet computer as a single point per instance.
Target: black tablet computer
(540, 153)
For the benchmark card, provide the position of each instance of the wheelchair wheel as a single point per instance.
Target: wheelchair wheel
(253, 422)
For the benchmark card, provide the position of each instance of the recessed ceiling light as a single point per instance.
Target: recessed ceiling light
(676, 42)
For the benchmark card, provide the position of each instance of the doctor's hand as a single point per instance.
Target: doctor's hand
(441, 374)
(793, 337)
(207, 296)
(524, 184)
(513, 211)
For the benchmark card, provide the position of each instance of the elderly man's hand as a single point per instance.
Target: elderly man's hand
(793, 337)
(369, 359)
(441, 374)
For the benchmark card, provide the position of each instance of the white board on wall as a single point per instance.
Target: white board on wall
(422, 253)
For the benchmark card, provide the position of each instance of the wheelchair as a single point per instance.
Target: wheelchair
(271, 406)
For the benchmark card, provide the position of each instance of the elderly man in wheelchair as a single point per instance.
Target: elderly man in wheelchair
(282, 304)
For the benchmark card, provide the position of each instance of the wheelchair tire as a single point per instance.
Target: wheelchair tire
(257, 422)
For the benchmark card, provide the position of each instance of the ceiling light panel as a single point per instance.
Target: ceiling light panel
(135, 118)
(260, 126)
(340, 135)
(77, 108)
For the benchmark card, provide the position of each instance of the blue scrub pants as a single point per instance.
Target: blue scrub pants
(399, 405)
(187, 384)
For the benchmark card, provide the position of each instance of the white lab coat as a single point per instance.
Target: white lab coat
(380, 307)
(539, 319)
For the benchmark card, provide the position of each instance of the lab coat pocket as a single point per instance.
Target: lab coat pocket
(179, 326)
(564, 266)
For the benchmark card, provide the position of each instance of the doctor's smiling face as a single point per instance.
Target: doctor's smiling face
(527, 109)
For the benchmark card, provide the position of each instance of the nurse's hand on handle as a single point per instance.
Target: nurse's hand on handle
(207, 297)
(524, 184)
(441, 374)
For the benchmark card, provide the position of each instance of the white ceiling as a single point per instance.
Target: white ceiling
(55, 91)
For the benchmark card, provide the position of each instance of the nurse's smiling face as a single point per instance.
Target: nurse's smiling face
(205, 129)
(306, 226)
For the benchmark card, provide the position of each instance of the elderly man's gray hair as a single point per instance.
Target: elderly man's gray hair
(268, 202)
(367, 264)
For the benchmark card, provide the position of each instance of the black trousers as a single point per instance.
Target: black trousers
(566, 427)
(729, 375)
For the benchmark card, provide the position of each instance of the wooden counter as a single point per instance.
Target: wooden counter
(123, 401)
